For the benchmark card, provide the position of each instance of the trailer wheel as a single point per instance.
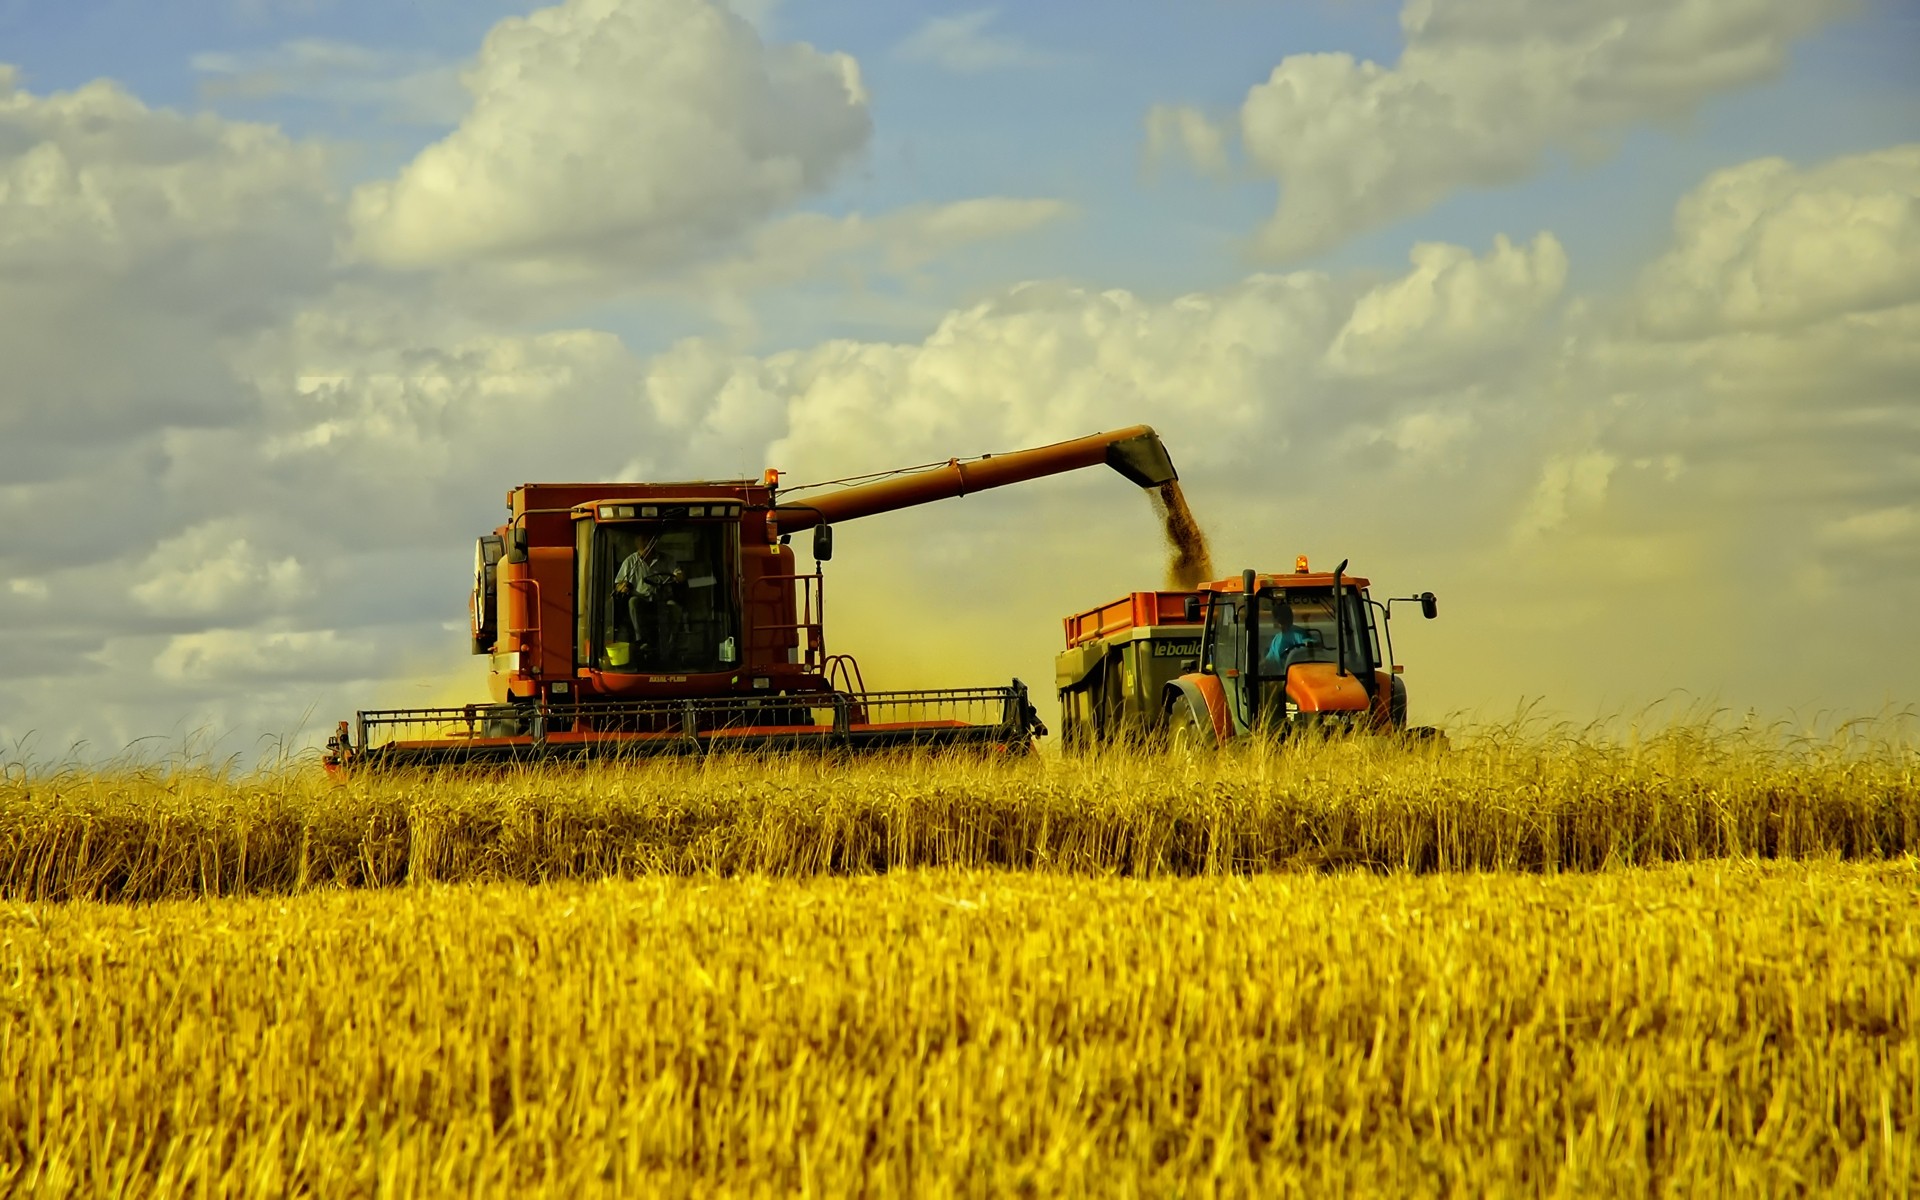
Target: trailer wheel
(1073, 738)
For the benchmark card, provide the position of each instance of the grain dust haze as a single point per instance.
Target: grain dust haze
(1189, 562)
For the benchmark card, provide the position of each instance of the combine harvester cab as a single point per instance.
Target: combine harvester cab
(1263, 653)
(630, 619)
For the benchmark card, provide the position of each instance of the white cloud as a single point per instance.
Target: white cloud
(1452, 309)
(134, 244)
(1178, 131)
(1569, 484)
(223, 458)
(644, 132)
(402, 425)
(1540, 459)
(94, 181)
(234, 656)
(964, 44)
(1899, 525)
(806, 245)
(1250, 365)
(213, 570)
(1767, 246)
(758, 13)
(1567, 481)
(1482, 90)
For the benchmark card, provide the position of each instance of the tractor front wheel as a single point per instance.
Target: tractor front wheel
(1186, 737)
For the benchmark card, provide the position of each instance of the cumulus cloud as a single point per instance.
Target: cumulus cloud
(95, 181)
(1482, 90)
(166, 283)
(1246, 382)
(229, 457)
(644, 132)
(1452, 308)
(1282, 450)
(1766, 246)
(146, 237)
(240, 482)
(407, 425)
(1567, 480)
(213, 570)
(1756, 428)
(239, 657)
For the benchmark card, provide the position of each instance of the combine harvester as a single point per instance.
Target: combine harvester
(1262, 653)
(637, 618)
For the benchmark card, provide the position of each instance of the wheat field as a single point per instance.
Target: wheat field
(1549, 964)
(1709, 1029)
(1495, 802)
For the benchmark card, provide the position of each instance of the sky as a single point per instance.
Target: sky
(1600, 319)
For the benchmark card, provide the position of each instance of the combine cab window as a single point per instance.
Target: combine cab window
(664, 603)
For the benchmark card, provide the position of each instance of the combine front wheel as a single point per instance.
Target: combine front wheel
(505, 720)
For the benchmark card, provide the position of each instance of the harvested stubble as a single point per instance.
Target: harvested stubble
(1531, 804)
(1689, 1030)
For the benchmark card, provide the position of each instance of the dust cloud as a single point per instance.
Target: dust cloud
(1189, 562)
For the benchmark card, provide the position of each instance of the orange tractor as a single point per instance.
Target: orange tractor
(1262, 653)
(670, 617)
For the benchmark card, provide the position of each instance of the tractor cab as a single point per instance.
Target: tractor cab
(1293, 627)
(1282, 650)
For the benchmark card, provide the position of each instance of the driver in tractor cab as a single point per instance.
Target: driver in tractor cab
(640, 587)
(1289, 637)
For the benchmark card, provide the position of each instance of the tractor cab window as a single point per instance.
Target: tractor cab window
(663, 603)
(1227, 645)
(1298, 626)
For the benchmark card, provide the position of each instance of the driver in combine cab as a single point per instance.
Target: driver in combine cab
(1289, 638)
(640, 585)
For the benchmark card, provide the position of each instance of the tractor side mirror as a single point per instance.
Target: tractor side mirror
(1193, 608)
(822, 543)
(517, 544)
(1429, 607)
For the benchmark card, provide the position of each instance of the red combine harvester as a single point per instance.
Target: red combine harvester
(633, 618)
(1262, 653)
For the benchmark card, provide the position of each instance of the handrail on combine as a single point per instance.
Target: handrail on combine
(843, 673)
(533, 606)
(999, 717)
(813, 614)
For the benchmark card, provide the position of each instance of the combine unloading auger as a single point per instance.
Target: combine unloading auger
(669, 617)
